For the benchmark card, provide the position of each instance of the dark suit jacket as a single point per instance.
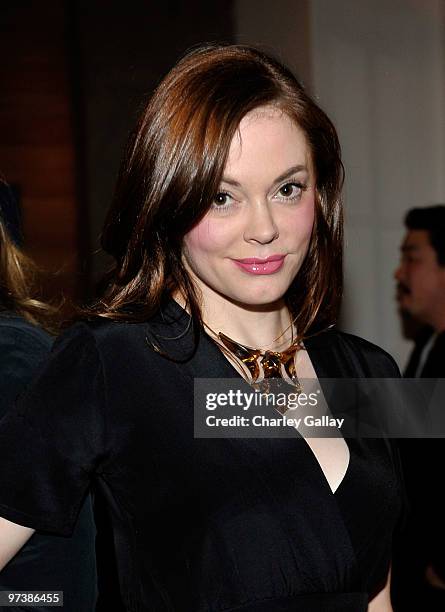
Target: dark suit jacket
(423, 460)
(434, 366)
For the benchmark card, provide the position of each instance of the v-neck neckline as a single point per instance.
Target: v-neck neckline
(317, 464)
(322, 365)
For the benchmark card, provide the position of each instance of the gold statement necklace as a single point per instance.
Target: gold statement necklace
(264, 365)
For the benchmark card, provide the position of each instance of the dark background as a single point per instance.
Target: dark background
(74, 76)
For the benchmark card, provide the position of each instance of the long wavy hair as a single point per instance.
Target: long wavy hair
(172, 170)
(18, 284)
(18, 293)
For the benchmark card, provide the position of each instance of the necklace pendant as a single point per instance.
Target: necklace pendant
(262, 387)
(265, 366)
(298, 387)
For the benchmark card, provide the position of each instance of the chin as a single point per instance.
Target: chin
(260, 299)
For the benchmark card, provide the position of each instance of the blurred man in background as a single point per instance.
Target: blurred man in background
(421, 288)
(420, 556)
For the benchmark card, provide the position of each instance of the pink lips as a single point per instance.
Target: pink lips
(254, 265)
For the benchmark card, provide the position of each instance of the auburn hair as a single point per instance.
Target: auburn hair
(18, 274)
(172, 170)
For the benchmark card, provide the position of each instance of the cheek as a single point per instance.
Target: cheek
(423, 286)
(301, 222)
(417, 278)
(431, 283)
(207, 237)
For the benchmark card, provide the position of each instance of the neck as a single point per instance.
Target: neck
(254, 326)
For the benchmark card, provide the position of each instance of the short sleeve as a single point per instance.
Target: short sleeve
(22, 351)
(53, 439)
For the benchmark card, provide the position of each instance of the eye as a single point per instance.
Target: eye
(291, 191)
(221, 201)
(221, 198)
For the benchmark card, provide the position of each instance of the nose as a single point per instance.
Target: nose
(260, 225)
(398, 273)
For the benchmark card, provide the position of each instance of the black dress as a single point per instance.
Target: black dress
(200, 525)
(46, 562)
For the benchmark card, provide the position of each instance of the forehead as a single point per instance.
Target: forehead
(416, 240)
(267, 139)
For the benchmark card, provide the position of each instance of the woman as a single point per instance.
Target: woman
(226, 218)
(46, 562)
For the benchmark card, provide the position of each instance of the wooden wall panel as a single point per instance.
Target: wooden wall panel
(36, 137)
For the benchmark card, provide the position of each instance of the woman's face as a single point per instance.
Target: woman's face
(251, 243)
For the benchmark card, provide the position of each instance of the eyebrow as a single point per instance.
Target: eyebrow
(285, 175)
(406, 248)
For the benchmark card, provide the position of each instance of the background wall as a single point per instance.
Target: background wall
(282, 27)
(378, 70)
(37, 152)
(74, 76)
(123, 52)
